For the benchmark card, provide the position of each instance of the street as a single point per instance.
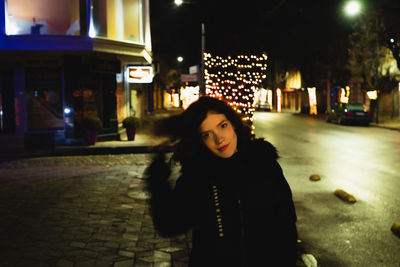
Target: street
(81, 211)
(363, 161)
(92, 210)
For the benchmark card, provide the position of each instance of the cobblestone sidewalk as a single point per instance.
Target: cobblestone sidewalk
(81, 211)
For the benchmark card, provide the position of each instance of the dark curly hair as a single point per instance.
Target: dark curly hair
(183, 129)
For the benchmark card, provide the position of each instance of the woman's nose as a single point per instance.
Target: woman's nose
(219, 139)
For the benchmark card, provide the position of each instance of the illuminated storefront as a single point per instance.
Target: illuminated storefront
(139, 79)
(312, 100)
(67, 59)
(289, 98)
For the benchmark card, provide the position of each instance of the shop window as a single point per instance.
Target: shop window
(44, 99)
(117, 19)
(8, 116)
(42, 17)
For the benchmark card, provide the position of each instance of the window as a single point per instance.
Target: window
(42, 17)
(44, 99)
(117, 20)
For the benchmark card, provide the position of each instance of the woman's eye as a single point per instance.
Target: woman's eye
(224, 125)
(205, 135)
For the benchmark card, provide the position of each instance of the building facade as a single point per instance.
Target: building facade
(68, 59)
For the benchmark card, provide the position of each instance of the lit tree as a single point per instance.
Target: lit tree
(370, 56)
(395, 47)
(235, 80)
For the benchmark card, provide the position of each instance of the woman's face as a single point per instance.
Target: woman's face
(218, 135)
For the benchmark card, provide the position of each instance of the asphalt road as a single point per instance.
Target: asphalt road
(363, 161)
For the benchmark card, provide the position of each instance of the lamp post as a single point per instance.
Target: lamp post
(372, 17)
(202, 88)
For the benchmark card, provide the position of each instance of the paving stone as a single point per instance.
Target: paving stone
(85, 263)
(132, 237)
(146, 245)
(142, 263)
(124, 263)
(77, 244)
(109, 244)
(64, 263)
(162, 244)
(109, 257)
(162, 264)
(145, 253)
(161, 255)
(103, 263)
(133, 228)
(126, 253)
(139, 195)
(72, 253)
(78, 211)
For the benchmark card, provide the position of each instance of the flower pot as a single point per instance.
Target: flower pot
(91, 137)
(130, 133)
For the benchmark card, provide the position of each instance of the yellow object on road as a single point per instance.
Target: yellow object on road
(396, 228)
(315, 177)
(345, 196)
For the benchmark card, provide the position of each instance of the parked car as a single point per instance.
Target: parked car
(263, 106)
(349, 113)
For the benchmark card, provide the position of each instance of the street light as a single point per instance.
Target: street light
(202, 86)
(352, 8)
(179, 59)
(178, 2)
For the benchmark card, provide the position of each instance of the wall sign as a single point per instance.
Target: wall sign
(140, 74)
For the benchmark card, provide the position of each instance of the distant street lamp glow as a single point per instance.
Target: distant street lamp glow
(178, 2)
(352, 8)
(392, 40)
(373, 95)
(179, 59)
(67, 110)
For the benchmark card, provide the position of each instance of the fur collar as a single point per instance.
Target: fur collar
(261, 148)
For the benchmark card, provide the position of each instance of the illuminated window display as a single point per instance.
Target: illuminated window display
(46, 17)
(117, 20)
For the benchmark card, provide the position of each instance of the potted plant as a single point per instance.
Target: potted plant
(92, 125)
(131, 123)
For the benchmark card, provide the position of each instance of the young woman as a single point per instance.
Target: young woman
(231, 192)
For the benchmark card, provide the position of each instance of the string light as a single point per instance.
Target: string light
(235, 80)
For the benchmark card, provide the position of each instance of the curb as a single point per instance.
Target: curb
(83, 151)
(73, 151)
(385, 127)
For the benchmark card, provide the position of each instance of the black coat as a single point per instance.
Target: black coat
(240, 209)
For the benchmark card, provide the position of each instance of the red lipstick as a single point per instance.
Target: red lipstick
(223, 148)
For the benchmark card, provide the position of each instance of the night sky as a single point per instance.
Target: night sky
(294, 31)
